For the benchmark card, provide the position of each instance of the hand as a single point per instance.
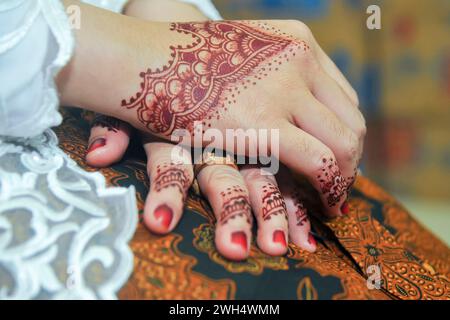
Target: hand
(109, 140)
(227, 75)
(235, 196)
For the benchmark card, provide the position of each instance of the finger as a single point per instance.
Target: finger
(169, 184)
(108, 141)
(333, 71)
(299, 223)
(318, 121)
(269, 208)
(225, 189)
(306, 155)
(326, 90)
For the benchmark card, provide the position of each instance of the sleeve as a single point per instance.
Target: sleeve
(206, 6)
(35, 43)
(112, 5)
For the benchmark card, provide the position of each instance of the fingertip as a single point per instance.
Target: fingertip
(273, 243)
(105, 151)
(233, 245)
(345, 209)
(160, 220)
(338, 210)
(96, 144)
(311, 243)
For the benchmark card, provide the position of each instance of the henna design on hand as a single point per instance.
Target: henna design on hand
(235, 203)
(170, 175)
(301, 213)
(273, 202)
(112, 124)
(332, 183)
(203, 77)
(351, 181)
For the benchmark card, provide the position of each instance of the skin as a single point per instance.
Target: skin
(314, 93)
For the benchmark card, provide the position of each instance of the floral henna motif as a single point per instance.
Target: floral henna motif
(273, 202)
(201, 77)
(301, 213)
(235, 204)
(169, 175)
(332, 184)
(112, 124)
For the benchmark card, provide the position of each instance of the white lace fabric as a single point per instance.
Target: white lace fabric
(35, 43)
(63, 233)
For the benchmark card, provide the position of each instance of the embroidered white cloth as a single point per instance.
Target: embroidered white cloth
(63, 234)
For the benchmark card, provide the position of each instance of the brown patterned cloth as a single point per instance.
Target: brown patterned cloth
(378, 231)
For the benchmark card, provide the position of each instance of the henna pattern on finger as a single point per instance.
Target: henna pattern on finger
(301, 213)
(204, 77)
(110, 123)
(235, 203)
(171, 175)
(273, 202)
(332, 184)
(351, 181)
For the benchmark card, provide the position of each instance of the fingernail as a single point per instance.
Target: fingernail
(279, 237)
(164, 214)
(311, 240)
(239, 238)
(344, 208)
(98, 143)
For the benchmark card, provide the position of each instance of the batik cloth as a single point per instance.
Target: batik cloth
(378, 240)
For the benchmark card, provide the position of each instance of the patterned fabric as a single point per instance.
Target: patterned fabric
(413, 263)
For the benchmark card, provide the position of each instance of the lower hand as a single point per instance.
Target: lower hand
(237, 197)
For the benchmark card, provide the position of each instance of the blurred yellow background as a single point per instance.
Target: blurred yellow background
(402, 75)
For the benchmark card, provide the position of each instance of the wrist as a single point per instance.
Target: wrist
(111, 51)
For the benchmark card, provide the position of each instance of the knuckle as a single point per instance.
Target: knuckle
(309, 60)
(361, 129)
(349, 148)
(253, 174)
(361, 132)
(217, 177)
(354, 97)
(304, 50)
(301, 28)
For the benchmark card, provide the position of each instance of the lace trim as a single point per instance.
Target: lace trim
(63, 234)
(58, 23)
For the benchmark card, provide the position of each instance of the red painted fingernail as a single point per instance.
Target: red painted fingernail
(98, 143)
(239, 238)
(344, 208)
(312, 240)
(164, 214)
(279, 237)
